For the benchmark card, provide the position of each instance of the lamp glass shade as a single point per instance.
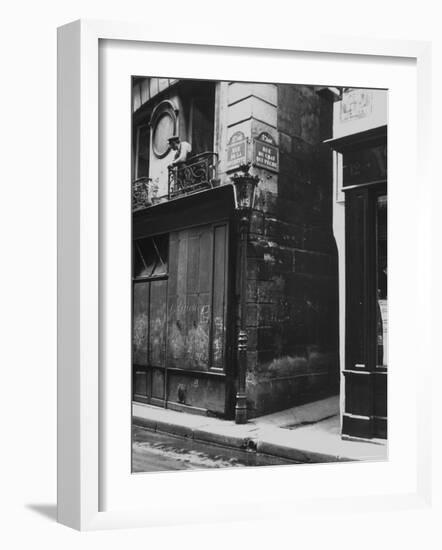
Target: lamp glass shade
(245, 191)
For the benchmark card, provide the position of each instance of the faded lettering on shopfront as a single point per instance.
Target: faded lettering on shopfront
(365, 165)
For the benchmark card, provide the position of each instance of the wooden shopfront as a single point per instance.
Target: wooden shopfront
(364, 182)
(182, 342)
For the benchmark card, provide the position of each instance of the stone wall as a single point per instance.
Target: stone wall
(292, 276)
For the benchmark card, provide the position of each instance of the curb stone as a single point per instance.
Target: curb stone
(239, 442)
(246, 443)
(174, 429)
(298, 455)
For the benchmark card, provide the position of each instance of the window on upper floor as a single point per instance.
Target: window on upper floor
(142, 152)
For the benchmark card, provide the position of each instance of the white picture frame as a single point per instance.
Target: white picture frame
(80, 447)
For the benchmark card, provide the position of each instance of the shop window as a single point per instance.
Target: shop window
(151, 256)
(367, 303)
(381, 280)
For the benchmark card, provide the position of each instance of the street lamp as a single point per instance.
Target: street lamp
(245, 186)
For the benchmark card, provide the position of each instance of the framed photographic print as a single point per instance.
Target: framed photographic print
(231, 319)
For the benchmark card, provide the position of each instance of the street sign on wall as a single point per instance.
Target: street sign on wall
(237, 151)
(266, 152)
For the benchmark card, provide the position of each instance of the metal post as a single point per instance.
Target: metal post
(241, 396)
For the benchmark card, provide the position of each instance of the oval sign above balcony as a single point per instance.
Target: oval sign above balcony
(164, 123)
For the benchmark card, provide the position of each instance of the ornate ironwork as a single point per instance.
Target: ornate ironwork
(197, 173)
(245, 192)
(141, 195)
(245, 189)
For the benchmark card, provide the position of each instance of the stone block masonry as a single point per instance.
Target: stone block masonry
(292, 287)
(292, 269)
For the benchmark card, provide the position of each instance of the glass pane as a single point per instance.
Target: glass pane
(356, 298)
(203, 116)
(151, 256)
(161, 247)
(143, 152)
(381, 276)
(144, 258)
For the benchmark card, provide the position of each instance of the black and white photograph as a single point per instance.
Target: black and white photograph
(259, 274)
(221, 264)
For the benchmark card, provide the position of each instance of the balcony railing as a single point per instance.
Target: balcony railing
(195, 174)
(141, 194)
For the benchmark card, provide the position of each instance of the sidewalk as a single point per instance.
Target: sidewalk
(309, 433)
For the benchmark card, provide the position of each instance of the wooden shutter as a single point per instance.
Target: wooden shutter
(197, 298)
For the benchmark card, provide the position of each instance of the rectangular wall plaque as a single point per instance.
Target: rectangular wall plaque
(236, 154)
(265, 155)
(237, 151)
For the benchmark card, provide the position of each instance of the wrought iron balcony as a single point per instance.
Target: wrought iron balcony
(141, 194)
(195, 174)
